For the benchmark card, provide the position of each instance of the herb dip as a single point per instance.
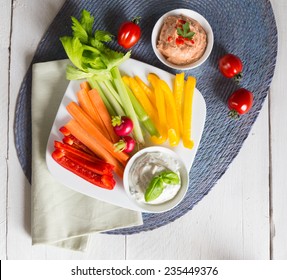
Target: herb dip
(145, 168)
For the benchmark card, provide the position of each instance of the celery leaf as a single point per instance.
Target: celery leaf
(74, 50)
(89, 52)
(78, 31)
(87, 22)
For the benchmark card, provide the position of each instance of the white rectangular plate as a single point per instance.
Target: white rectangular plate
(117, 196)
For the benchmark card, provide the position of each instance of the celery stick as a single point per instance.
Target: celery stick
(112, 90)
(127, 104)
(118, 108)
(95, 85)
(142, 115)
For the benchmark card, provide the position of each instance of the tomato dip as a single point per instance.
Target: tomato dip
(178, 48)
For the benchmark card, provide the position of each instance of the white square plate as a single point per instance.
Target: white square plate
(117, 196)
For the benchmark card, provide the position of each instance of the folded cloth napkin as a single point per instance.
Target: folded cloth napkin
(61, 216)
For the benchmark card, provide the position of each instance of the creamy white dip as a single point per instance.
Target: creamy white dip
(145, 168)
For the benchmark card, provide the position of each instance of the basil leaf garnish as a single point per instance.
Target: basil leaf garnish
(156, 185)
(170, 178)
(154, 189)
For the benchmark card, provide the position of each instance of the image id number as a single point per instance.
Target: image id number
(193, 270)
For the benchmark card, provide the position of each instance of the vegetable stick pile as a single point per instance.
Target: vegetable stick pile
(92, 146)
(90, 137)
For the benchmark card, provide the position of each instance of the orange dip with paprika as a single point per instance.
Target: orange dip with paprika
(182, 40)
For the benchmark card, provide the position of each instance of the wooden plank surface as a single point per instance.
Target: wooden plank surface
(231, 222)
(4, 101)
(278, 135)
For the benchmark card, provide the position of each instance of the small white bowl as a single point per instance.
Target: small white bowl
(191, 14)
(165, 206)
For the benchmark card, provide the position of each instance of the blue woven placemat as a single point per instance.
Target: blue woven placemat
(246, 28)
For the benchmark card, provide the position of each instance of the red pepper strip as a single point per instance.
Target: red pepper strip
(73, 141)
(103, 181)
(99, 168)
(64, 148)
(76, 143)
(68, 140)
(65, 131)
(57, 154)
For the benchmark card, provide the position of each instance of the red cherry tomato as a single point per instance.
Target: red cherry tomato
(240, 102)
(231, 66)
(129, 33)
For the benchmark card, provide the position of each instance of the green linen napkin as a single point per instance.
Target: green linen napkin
(61, 216)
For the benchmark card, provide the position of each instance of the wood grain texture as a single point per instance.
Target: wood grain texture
(101, 247)
(231, 222)
(278, 121)
(5, 28)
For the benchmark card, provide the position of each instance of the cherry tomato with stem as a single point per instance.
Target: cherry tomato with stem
(231, 66)
(240, 102)
(129, 33)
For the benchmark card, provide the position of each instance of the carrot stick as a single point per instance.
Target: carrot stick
(85, 85)
(87, 106)
(83, 119)
(92, 143)
(99, 105)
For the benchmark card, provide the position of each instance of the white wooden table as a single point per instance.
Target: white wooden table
(243, 217)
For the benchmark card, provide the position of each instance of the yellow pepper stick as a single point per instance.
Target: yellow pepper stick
(148, 91)
(134, 87)
(142, 98)
(126, 80)
(172, 118)
(178, 97)
(187, 112)
(161, 111)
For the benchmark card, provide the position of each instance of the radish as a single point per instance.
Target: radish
(122, 125)
(126, 144)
